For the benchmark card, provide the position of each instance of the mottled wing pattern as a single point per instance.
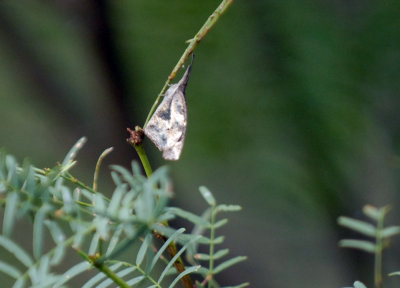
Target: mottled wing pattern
(177, 127)
(167, 126)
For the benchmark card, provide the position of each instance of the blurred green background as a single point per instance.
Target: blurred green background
(292, 113)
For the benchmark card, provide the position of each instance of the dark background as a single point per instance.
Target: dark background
(292, 113)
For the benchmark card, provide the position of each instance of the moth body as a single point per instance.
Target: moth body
(167, 126)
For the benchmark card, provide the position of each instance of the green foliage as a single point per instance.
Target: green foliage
(380, 238)
(101, 229)
(359, 284)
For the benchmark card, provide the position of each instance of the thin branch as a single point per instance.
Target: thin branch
(136, 141)
(98, 164)
(145, 161)
(104, 268)
(212, 19)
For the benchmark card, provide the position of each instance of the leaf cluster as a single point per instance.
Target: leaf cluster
(104, 230)
(379, 238)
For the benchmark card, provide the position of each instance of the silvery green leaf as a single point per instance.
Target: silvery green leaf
(20, 283)
(183, 274)
(10, 213)
(159, 177)
(121, 274)
(99, 204)
(218, 240)
(67, 200)
(115, 203)
(144, 204)
(126, 271)
(216, 256)
(12, 177)
(74, 150)
(135, 280)
(390, 231)
(375, 213)
(114, 240)
(17, 251)
(220, 223)
(228, 208)
(76, 195)
(189, 216)
(9, 270)
(358, 284)
(171, 238)
(143, 249)
(238, 286)
(125, 174)
(46, 282)
(125, 211)
(358, 244)
(136, 168)
(59, 252)
(203, 271)
(181, 238)
(207, 195)
(72, 272)
(116, 179)
(94, 244)
(92, 282)
(172, 261)
(38, 230)
(106, 282)
(88, 195)
(44, 267)
(79, 236)
(2, 187)
(30, 181)
(357, 225)
(56, 232)
(229, 263)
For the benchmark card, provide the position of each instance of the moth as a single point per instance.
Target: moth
(167, 126)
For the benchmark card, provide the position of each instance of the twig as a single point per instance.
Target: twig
(136, 141)
(105, 269)
(214, 17)
(136, 137)
(98, 164)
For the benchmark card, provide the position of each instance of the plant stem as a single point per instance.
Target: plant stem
(98, 164)
(143, 158)
(212, 237)
(210, 22)
(117, 280)
(212, 19)
(67, 176)
(179, 265)
(378, 251)
(105, 269)
(136, 140)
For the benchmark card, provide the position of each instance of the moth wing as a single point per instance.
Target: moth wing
(177, 128)
(167, 126)
(174, 152)
(156, 128)
(178, 122)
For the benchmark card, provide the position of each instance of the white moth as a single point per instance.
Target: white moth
(167, 127)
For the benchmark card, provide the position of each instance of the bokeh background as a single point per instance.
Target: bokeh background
(293, 111)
